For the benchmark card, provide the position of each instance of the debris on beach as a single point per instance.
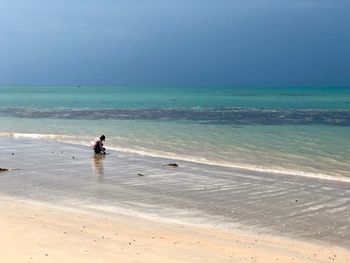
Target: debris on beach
(7, 169)
(139, 174)
(171, 164)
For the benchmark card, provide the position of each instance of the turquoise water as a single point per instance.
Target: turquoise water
(162, 97)
(303, 131)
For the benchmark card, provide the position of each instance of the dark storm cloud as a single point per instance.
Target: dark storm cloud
(294, 43)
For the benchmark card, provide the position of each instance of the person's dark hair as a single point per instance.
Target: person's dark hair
(103, 138)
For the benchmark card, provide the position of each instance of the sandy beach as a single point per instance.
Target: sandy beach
(175, 131)
(61, 204)
(33, 232)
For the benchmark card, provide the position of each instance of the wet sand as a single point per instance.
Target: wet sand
(34, 232)
(304, 212)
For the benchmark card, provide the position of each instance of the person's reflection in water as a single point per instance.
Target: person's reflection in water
(97, 165)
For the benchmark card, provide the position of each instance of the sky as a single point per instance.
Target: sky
(175, 42)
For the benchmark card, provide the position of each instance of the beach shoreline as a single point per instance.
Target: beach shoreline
(69, 139)
(36, 232)
(293, 219)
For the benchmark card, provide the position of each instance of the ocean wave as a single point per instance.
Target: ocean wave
(223, 116)
(244, 168)
(57, 137)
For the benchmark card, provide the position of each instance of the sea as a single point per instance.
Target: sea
(301, 131)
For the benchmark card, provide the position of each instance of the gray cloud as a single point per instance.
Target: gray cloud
(136, 42)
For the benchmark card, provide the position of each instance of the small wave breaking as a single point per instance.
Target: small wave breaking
(167, 155)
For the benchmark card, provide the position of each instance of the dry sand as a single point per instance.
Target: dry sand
(34, 232)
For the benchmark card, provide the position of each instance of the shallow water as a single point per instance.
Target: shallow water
(70, 175)
(303, 131)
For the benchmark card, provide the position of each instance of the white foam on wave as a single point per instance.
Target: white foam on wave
(42, 136)
(232, 165)
(169, 155)
(16, 135)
